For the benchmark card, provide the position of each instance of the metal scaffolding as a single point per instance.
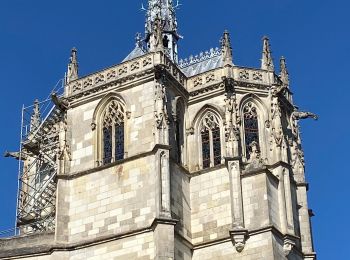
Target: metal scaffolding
(38, 163)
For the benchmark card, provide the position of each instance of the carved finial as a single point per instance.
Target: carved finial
(226, 48)
(284, 75)
(267, 61)
(155, 42)
(138, 40)
(72, 73)
(35, 118)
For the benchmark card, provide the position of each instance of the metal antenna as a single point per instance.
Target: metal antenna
(177, 4)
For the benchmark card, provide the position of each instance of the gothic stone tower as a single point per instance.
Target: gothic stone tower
(156, 158)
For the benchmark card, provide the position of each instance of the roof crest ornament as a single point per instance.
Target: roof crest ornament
(202, 56)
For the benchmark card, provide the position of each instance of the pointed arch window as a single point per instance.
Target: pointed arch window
(210, 140)
(251, 128)
(113, 133)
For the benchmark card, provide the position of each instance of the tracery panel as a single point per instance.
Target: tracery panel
(113, 132)
(251, 127)
(210, 140)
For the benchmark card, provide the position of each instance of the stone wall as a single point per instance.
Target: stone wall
(139, 101)
(115, 200)
(211, 217)
(259, 247)
(181, 201)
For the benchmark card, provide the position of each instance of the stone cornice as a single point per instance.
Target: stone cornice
(111, 165)
(53, 246)
(99, 92)
(15, 252)
(126, 73)
(254, 232)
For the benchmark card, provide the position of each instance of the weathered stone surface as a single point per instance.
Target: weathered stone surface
(208, 164)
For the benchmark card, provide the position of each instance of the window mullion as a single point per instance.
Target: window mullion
(113, 143)
(211, 145)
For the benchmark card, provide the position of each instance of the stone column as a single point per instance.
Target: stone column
(238, 234)
(282, 200)
(289, 203)
(164, 225)
(286, 209)
(164, 184)
(164, 237)
(305, 226)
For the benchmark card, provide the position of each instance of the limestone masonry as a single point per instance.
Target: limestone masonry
(162, 158)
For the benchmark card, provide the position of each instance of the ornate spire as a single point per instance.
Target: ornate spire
(226, 48)
(267, 61)
(284, 75)
(72, 73)
(35, 118)
(161, 17)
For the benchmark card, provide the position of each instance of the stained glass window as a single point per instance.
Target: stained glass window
(113, 133)
(211, 140)
(251, 127)
(206, 149)
(216, 146)
(119, 141)
(107, 145)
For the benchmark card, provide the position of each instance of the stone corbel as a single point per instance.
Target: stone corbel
(288, 246)
(93, 126)
(239, 237)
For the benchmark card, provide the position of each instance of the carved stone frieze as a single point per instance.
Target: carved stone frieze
(198, 81)
(244, 75)
(111, 75)
(257, 76)
(210, 78)
(206, 89)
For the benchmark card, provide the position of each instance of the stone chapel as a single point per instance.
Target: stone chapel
(164, 158)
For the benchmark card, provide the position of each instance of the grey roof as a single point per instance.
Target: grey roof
(206, 61)
(137, 52)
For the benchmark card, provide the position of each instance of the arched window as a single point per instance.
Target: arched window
(251, 128)
(113, 132)
(210, 139)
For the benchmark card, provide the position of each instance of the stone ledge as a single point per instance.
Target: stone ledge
(19, 250)
(110, 165)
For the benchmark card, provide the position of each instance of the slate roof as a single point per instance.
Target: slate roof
(137, 52)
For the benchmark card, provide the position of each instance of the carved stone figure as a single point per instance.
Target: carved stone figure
(156, 38)
(276, 124)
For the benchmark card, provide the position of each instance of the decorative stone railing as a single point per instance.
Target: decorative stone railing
(203, 80)
(126, 70)
(109, 75)
(209, 81)
(251, 75)
(122, 71)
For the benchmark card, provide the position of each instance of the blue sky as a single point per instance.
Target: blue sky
(36, 38)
